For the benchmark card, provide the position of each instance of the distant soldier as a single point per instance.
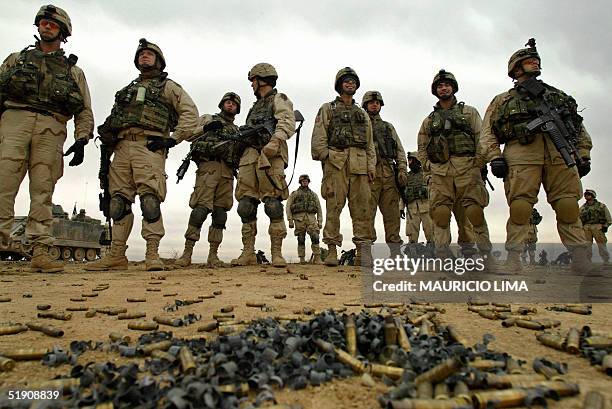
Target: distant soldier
(532, 237)
(391, 171)
(214, 183)
(40, 91)
(596, 219)
(138, 132)
(449, 149)
(261, 176)
(530, 158)
(305, 214)
(418, 202)
(342, 141)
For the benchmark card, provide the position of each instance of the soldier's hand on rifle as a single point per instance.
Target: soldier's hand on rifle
(78, 148)
(271, 149)
(402, 214)
(155, 143)
(402, 177)
(484, 172)
(212, 126)
(499, 168)
(291, 224)
(320, 224)
(585, 168)
(371, 176)
(604, 229)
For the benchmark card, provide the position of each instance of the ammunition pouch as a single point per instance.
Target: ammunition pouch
(437, 149)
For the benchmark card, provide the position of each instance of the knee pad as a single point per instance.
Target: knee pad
(247, 209)
(314, 237)
(301, 239)
(219, 217)
(119, 207)
(441, 216)
(567, 210)
(273, 208)
(149, 204)
(197, 216)
(475, 215)
(520, 211)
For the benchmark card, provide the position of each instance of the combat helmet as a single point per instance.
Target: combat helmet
(447, 76)
(56, 14)
(231, 96)
(523, 54)
(590, 192)
(143, 44)
(372, 96)
(345, 72)
(303, 177)
(262, 70)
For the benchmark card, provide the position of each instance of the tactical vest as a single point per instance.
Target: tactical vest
(142, 105)
(207, 147)
(304, 201)
(386, 146)
(44, 82)
(593, 214)
(450, 134)
(519, 109)
(415, 188)
(347, 126)
(262, 112)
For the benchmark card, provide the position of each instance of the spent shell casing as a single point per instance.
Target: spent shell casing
(143, 326)
(170, 295)
(77, 309)
(578, 309)
(117, 337)
(507, 398)
(12, 329)
(392, 372)
(551, 340)
(43, 307)
(473, 308)
(428, 404)
(426, 316)
(55, 315)
(545, 370)
(441, 371)
(159, 354)
(390, 331)
(509, 322)
(512, 366)
(351, 335)
(501, 309)
(461, 389)
(173, 322)
(425, 390)
(559, 388)
(434, 308)
(402, 337)
(230, 329)
(136, 300)
(280, 296)
(594, 400)
(205, 297)
(90, 313)
(255, 304)
(25, 354)
(441, 391)
(342, 356)
(76, 299)
(5, 299)
(227, 308)
(548, 323)
(89, 295)
(572, 342)
(597, 332)
(527, 310)
(372, 305)
(456, 335)
(478, 303)
(534, 325)
(6, 364)
(598, 342)
(148, 348)
(240, 389)
(506, 381)
(46, 329)
(488, 314)
(351, 304)
(187, 362)
(112, 310)
(502, 305)
(153, 289)
(606, 364)
(64, 384)
(208, 326)
(487, 364)
(425, 330)
(218, 315)
(131, 315)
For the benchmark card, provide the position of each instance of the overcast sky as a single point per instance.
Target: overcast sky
(396, 47)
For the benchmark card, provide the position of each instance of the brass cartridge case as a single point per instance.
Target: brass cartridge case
(55, 315)
(551, 340)
(6, 364)
(148, 348)
(131, 315)
(173, 322)
(425, 390)
(441, 371)
(143, 326)
(594, 400)
(390, 331)
(159, 354)
(117, 337)
(187, 362)
(456, 335)
(46, 329)
(208, 326)
(136, 300)
(12, 329)
(441, 391)
(392, 372)
(572, 342)
(402, 336)
(25, 354)
(351, 335)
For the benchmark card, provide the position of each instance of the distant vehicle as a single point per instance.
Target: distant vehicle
(78, 238)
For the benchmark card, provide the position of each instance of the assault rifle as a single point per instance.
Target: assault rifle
(104, 198)
(563, 134)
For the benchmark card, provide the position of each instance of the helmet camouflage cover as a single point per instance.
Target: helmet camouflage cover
(262, 70)
(522, 55)
(372, 96)
(447, 76)
(230, 96)
(304, 177)
(345, 72)
(143, 44)
(51, 12)
(590, 192)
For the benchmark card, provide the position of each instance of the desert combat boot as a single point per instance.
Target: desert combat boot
(276, 250)
(185, 259)
(332, 256)
(247, 257)
(115, 259)
(152, 260)
(42, 263)
(213, 257)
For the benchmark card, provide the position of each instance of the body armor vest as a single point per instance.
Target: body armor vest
(519, 109)
(142, 105)
(450, 134)
(305, 201)
(347, 126)
(206, 148)
(262, 112)
(416, 188)
(386, 146)
(44, 82)
(593, 214)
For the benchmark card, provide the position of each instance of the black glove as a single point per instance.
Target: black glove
(402, 214)
(212, 126)
(585, 168)
(499, 168)
(604, 229)
(155, 143)
(484, 172)
(78, 148)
